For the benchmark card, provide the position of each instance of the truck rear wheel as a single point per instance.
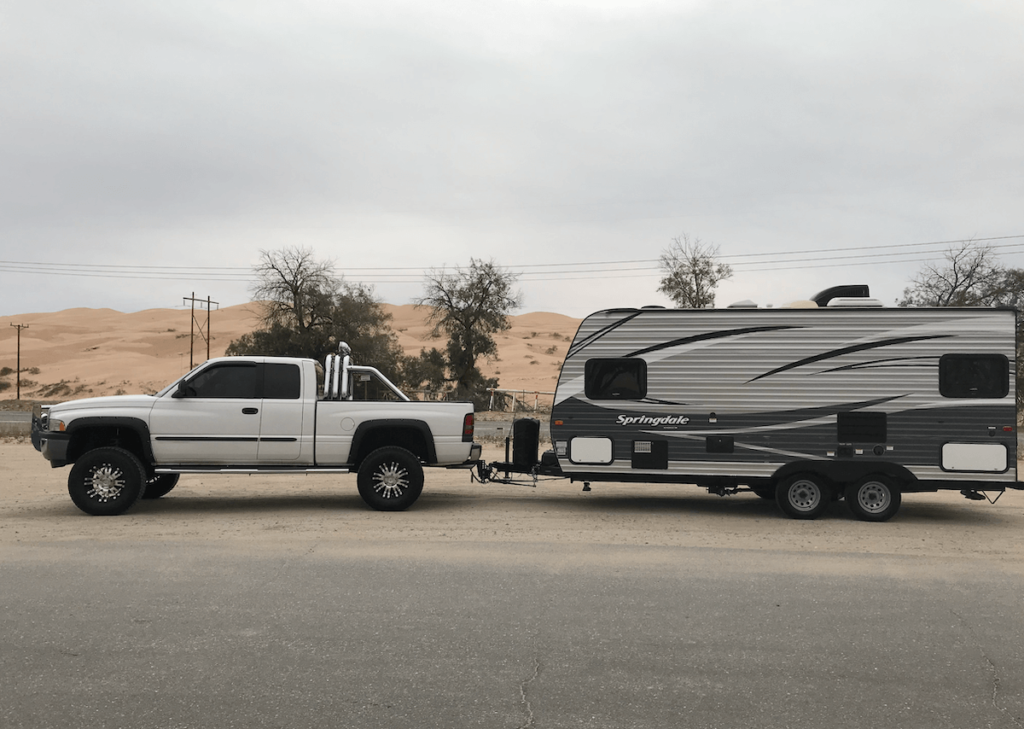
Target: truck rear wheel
(390, 479)
(804, 495)
(873, 498)
(106, 481)
(160, 485)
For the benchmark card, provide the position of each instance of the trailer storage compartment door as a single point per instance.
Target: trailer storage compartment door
(590, 450)
(983, 457)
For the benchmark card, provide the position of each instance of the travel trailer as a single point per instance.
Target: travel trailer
(837, 398)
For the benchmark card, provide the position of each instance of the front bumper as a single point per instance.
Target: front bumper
(53, 446)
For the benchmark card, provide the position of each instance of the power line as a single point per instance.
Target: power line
(576, 270)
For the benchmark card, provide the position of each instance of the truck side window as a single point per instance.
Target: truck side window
(974, 375)
(226, 380)
(281, 381)
(615, 379)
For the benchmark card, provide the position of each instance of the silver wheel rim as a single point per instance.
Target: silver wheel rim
(873, 497)
(390, 480)
(105, 483)
(804, 495)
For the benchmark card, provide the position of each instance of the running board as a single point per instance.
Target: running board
(251, 470)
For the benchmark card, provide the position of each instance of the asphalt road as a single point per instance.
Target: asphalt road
(353, 633)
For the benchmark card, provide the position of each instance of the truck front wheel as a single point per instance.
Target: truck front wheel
(390, 479)
(804, 496)
(874, 498)
(106, 481)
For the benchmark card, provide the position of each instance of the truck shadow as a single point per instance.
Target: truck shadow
(185, 503)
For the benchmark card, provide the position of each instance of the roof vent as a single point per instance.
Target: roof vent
(854, 302)
(745, 304)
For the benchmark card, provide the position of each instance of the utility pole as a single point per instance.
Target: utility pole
(17, 374)
(204, 332)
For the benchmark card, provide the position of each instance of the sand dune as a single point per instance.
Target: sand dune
(91, 352)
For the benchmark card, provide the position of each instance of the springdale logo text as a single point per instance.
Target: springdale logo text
(652, 421)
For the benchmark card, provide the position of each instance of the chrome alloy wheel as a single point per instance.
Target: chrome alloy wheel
(804, 495)
(105, 482)
(873, 497)
(390, 480)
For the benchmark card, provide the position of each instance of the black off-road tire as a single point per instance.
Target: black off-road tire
(160, 485)
(390, 479)
(106, 481)
(804, 495)
(873, 498)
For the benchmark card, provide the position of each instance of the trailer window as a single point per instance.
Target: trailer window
(616, 379)
(974, 375)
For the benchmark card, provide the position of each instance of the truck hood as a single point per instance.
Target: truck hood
(97, 403)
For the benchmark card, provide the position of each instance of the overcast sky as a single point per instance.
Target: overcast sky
(393, 137)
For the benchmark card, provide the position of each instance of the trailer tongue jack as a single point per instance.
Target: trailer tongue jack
(521, 459)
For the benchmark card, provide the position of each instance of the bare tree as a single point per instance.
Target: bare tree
(692, 272)
(970, 276)
(308, 310)
(296, 290)
(469, 305)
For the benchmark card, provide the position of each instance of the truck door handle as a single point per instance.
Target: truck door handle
(249, 411)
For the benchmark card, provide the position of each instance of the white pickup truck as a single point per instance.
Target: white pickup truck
(255, 415)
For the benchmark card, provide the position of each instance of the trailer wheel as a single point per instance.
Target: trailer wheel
(873, 498)
(803, 496)
(160, 485)
(390, 479)
(106, 481)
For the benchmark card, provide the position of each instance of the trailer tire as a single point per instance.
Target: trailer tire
(390, 479)
(873, 498)
(804, 495)
(106, 481)
(160, 485)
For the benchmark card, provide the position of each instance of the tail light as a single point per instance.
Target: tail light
(467, 428)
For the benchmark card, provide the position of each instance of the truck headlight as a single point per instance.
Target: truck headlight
(55, 425)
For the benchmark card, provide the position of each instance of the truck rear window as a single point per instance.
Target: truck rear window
(281, 381)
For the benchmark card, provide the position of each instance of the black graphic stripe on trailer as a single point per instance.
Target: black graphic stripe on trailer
(723, 334)
(586, 342)
(848, 350)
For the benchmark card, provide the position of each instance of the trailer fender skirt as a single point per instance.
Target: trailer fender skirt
(847, 471)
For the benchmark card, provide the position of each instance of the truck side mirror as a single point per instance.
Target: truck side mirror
(183, 389)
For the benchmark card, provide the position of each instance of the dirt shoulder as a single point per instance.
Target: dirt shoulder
(278, 511)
